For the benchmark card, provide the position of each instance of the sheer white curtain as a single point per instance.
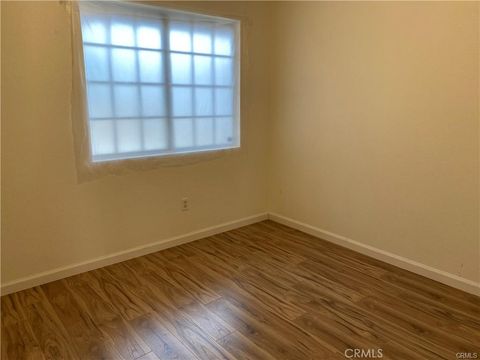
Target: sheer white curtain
(158, 81)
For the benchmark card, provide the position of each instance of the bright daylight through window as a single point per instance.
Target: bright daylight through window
(159, 81)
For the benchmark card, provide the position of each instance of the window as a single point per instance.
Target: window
(159, 81)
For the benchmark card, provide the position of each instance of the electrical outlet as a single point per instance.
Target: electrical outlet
(185, 204)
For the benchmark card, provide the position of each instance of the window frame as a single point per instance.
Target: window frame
(164, 16)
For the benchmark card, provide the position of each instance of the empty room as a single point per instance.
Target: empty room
(240, 180)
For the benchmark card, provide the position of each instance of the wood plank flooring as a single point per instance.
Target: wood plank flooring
(264, 291)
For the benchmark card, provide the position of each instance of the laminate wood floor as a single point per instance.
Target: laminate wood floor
(263, 291)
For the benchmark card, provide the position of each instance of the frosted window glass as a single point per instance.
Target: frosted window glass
(153, 101)
(99, 101)
(149, 37)
(203, 70)
(181, 68)
(94, 30)
(223, 131)
(182, 101)
(122, 34)
(123, 65)
(155, 134)
(223, 102)
(129, 135)
(204, 131)
(223, 41)
(202, 40)
(203, 101)
(126, 100)
(151, 66)
(102, 137)
(180, 39)
(140, 101)
(183, 133)
(96, 63)
(223, 71)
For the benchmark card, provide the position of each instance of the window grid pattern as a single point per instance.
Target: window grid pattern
(173, 90)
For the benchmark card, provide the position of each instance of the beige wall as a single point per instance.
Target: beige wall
(49, 220)
(375, 126)
(369, 111)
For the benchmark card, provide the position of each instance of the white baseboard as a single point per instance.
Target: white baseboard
(402, 262)
(69, 270)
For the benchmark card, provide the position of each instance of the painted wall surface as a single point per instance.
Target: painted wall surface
(48, 219)
(375, 126)
(358, 118)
